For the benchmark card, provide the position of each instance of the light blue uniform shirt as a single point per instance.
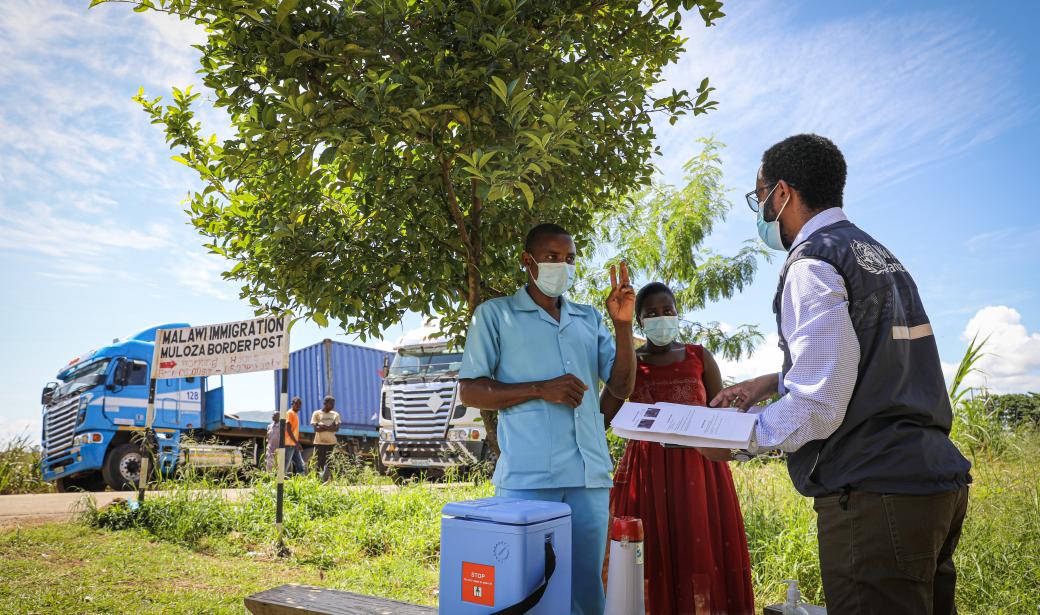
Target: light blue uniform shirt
(544, 445)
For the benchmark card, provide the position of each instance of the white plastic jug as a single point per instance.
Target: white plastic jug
(625, 573)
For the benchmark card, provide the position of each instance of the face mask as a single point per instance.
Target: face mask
(554, 279)
(661, 330)
(770, 231)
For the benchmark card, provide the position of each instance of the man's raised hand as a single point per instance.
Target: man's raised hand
(622, 299)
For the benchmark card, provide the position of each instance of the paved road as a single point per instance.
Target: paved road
(33, 509)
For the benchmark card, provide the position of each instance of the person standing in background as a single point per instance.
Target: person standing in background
(326, 424)
(294, 456)
(272, 440)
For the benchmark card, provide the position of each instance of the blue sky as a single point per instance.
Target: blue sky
(935, 105)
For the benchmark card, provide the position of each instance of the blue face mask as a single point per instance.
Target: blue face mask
(661, 330)
(554, 279)
(770, 231)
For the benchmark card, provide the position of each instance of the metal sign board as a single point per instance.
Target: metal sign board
(256, 345)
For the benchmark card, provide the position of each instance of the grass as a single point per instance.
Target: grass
(20, 467)
(192, 551)
(998, 558)
(363, 540)
(72, 568)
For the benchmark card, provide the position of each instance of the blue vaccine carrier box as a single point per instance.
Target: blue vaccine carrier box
(496, 552)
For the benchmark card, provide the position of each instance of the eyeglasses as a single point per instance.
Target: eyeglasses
(752, 197)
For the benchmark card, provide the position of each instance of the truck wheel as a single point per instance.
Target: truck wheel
(90, 481)
(122, 469)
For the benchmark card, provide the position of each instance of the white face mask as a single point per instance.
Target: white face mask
(661, 330)
(770, 231)
(554, 279)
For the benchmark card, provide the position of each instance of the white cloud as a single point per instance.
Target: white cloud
(67, 79)
(38, 228)
(895, 92)
(766, 359)
(1012, 353)
(80, 160)
(1002, 242)
(88, 202)
(200, 272)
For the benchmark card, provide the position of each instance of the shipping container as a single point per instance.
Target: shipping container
(348, 372)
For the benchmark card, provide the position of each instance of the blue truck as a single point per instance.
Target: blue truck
(94, 414)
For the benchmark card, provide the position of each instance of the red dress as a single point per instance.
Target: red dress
(696, 554)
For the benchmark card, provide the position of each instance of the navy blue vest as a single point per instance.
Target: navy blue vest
(895, 435)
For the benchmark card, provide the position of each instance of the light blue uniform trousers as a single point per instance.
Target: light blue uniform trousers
(589, 516)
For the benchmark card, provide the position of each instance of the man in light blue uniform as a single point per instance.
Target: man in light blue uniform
(533, 357)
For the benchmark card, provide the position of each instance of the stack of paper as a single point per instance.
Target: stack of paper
(685, 425)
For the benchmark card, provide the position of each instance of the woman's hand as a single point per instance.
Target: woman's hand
(745, 394)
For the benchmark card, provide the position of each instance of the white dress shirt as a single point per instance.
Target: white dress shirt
(824, 352)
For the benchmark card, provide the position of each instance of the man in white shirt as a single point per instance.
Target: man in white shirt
(326, 424)
(863, 413)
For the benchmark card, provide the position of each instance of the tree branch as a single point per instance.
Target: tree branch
(453, 205)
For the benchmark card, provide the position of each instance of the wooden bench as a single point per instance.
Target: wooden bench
(309, 600)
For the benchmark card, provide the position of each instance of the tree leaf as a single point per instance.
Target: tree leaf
(527, 193)
(252, 14)
(284, 9)
(295, 55)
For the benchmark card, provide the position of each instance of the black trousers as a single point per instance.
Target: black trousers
(890, 554)
(323, 451)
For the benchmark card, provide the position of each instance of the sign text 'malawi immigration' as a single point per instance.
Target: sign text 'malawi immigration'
(254, 345)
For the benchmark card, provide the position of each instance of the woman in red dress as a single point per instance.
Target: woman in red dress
(696, 554)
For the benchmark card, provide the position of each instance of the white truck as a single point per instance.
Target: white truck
(422, 423)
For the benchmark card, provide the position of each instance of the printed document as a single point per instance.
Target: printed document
(685, 425)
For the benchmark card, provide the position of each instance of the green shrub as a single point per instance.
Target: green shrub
(978, 428)
(20, 468)
(1017, 409)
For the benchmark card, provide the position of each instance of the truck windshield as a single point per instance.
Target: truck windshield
(406, 364)
(81, 378)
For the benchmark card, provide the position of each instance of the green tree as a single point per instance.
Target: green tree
(388, 155)
(660, 232)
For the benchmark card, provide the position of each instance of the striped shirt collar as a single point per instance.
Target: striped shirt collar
(823, 219)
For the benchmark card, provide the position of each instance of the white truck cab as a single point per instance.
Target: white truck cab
(422, 423)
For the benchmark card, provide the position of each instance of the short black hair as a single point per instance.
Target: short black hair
(813, 165)
(540, 232)
(329, 398)
(651, 289)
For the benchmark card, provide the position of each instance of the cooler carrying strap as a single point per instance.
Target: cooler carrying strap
(532, 599)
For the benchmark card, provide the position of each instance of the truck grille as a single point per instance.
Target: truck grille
(60, 425)
(421, 411)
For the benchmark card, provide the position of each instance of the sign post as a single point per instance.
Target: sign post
(280, 457)
(256, 345)
(149, 418)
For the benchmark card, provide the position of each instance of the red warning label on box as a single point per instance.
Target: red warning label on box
(478, 584)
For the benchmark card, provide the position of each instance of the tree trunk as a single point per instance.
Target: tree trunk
(471, 240)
